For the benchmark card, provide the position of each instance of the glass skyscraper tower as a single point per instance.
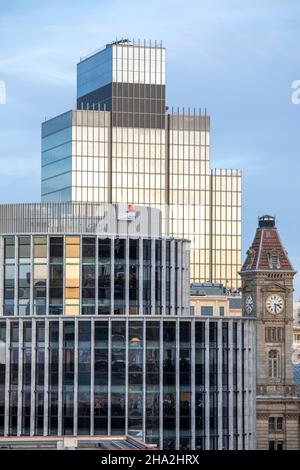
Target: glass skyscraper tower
(122, 144)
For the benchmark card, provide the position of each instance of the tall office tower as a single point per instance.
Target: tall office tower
(122, 145)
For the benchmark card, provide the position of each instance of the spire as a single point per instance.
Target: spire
(267, 252)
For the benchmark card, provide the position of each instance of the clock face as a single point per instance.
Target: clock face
(275, 304)
(249, 303)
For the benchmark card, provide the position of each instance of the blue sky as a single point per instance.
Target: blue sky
(236, 58)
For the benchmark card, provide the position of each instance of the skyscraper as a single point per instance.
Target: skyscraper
(122, 145)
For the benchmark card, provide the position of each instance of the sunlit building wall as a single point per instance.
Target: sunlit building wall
(123, 145)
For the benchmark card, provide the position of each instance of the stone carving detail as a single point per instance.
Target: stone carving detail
(250, 258)
(273, 259)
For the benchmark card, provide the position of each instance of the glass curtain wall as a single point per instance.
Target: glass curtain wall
(9, 276)
(101, 379)
(84, 377)
(144, 377)
(200, 386)
(118, 377)
(169, 385)
(152, 381)
(135, 379)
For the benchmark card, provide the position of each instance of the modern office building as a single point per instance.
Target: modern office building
(122, 144)
(97, 338)
(267, 286)
(49, 276)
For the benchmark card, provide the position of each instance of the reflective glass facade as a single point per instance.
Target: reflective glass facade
(94, 72)
(138, 152)
(127, 79)
(97, 336)
(83, 275)
(57, 158)
(180, 383)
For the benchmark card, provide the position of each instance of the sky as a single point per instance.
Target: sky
(238, 59)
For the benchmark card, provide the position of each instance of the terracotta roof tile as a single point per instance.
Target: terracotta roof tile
(266, 242)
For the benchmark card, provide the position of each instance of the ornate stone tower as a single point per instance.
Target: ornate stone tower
(267, 287)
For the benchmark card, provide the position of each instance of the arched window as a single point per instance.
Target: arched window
(273, 358)
(273, 258)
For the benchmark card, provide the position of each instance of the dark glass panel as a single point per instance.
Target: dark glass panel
(104, 249)
(56, 249)
(134, 251)
(101, 334)
(119, 249)
(88, 249)
(104, 285)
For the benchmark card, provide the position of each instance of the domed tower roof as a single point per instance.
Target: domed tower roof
(267, 252)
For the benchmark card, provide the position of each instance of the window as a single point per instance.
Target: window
(279, 424)
(275, 445)
(24, 247)
(271, 424)
(297, 338)
(275, 423)
(273, 258)
(273, 361)
(9, 248)
(40, 249)
(88, 250)
(273, 335)
(271, 445)
(205, 310)
(221, 311)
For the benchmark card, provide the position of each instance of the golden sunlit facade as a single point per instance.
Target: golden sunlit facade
(122, 145)
(72, 294)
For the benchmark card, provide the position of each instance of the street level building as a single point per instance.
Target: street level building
(97, 339)
(267, 286)
(123, 145)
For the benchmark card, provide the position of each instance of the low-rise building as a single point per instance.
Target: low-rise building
(213, 300)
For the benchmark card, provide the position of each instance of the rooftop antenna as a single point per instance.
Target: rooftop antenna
(121, 41)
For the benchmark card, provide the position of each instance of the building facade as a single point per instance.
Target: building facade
(96, 335)
(297, 313)
(175, 382)
(54, 262)
(213, 300)
(122, 144)
(267, 287)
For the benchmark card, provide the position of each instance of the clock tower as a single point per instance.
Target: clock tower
(267, 291)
